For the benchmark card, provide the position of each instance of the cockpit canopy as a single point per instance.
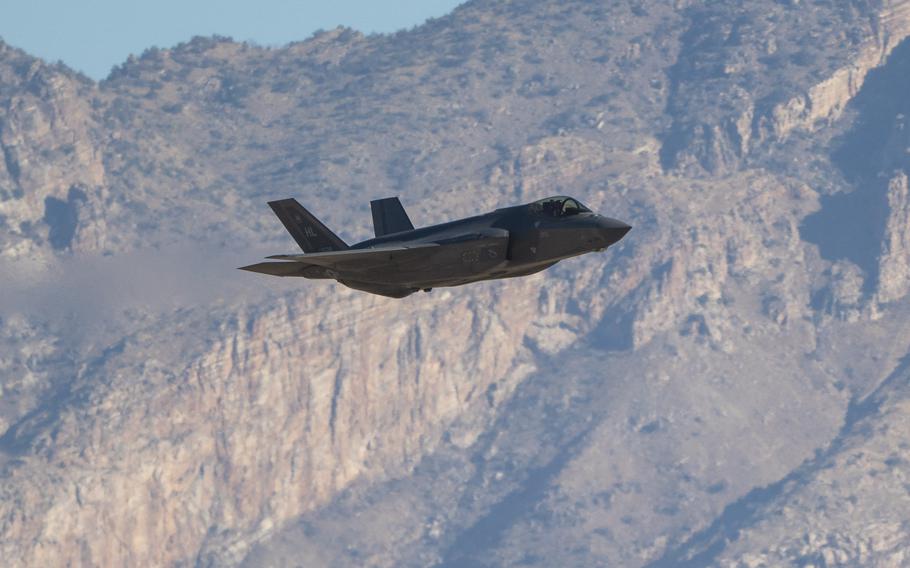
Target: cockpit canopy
(558, 206)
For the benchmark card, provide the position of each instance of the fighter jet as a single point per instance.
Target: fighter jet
(401, 260)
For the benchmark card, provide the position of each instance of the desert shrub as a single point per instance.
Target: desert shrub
(120, 110)
(233, 91)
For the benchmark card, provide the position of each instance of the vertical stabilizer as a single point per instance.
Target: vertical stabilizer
(389, 217)
(307, 230)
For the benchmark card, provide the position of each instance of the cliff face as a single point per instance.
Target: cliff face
(731, 355)
(50, 154)
(893, 271)
(723, 109)
(182, 449)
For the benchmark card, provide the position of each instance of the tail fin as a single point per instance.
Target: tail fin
(307, 230)
(389, 217)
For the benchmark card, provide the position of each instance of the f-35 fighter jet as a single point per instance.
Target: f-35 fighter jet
(400, 260)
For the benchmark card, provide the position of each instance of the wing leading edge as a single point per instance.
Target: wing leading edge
(314, 265)
(358, 257)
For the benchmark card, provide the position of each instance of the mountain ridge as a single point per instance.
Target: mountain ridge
(620, 403)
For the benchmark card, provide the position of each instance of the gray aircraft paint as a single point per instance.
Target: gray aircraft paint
(505, 243)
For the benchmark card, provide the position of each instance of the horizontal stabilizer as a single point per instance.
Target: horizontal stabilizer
(276, 268)
(389, 217)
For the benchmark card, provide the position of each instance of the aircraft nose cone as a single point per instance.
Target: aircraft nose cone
(613, 229)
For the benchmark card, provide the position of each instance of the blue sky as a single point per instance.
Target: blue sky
(94, 35)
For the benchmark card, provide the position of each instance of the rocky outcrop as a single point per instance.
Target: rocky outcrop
(750, 114)
(894, 262)
(691, 289)
(842, 296)
(49, 147)
(349, 389)
(825, 101)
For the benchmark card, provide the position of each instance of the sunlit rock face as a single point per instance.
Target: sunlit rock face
(700, 393)
(48, 138)
(895, 258)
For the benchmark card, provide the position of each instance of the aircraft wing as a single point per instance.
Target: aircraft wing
(359, 259)
(406, 262)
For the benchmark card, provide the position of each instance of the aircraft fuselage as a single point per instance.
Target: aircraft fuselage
(509, 242)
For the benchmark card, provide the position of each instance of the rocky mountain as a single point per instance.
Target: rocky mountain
(729, 386)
